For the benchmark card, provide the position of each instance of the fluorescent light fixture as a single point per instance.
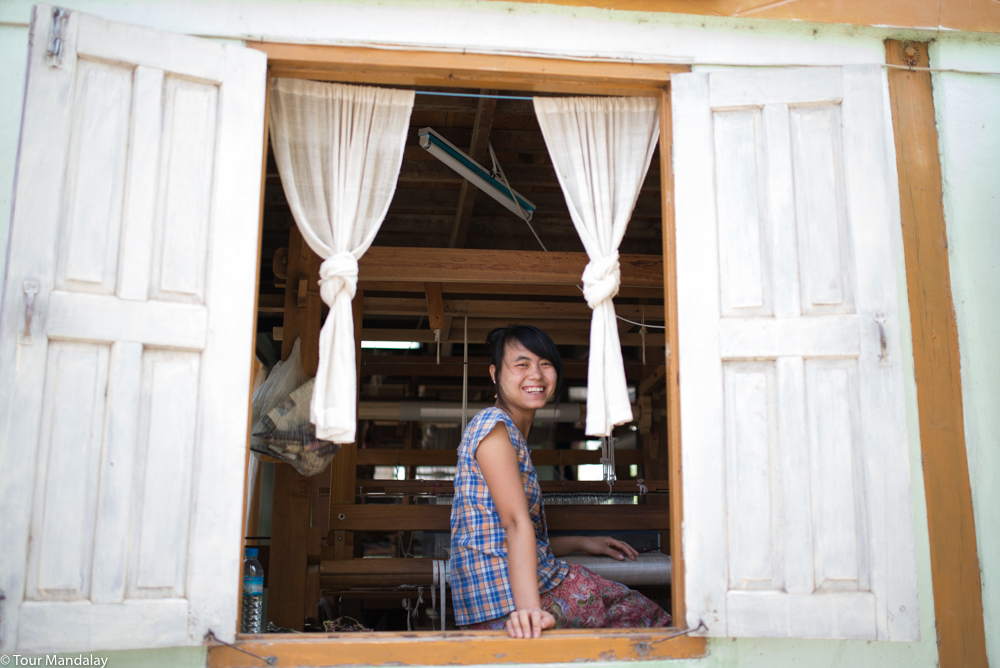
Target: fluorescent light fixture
(391, 345)
(472, 171)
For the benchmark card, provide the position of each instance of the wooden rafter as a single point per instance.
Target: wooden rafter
(488, 288)
(478, 149)
(447, 265)
(507, 309)
(477, 334)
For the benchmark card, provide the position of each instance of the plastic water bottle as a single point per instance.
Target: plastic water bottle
(253, 593)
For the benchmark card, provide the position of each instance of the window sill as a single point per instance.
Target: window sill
(457, 647)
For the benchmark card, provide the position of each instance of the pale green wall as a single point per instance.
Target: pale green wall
(968, 117)
(13, 56)
(971, 163)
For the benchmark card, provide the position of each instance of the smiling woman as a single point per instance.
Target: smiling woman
(505, 571)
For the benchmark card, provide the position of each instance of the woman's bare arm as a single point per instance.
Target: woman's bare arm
(497, 460)
(563, 545)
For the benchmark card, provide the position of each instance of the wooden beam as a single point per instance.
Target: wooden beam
(414, 170)
(450, 265)
(673, 422)
(432, 487)
(654, 380)
(451, 367)
(270, 303)
(404, 457)
(559, 337)
(458, 648)
(465, 70)
(434, 304)
(486, 288)
(288, 559)
(505, 308)
(398, 517)
(478, 149)
(291, 320)
(504, 141)
(958, 602)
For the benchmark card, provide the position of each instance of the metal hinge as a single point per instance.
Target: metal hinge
(57, 37)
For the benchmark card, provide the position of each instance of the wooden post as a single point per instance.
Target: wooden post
(673, 431)
(958, 602)
(344, 469)
(289, 542)
(290, 523)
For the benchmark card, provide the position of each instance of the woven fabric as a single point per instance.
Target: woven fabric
(480, 587)
(585, 600)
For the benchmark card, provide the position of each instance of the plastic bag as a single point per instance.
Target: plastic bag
(284, 378)
(290, 436)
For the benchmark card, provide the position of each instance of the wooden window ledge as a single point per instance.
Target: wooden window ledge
(457, 647)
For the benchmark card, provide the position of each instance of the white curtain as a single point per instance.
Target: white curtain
(601, 148)
(338, 149)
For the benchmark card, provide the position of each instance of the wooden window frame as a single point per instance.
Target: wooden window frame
(958, 599)
(464, 70)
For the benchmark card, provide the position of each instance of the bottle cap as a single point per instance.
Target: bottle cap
(251, 552)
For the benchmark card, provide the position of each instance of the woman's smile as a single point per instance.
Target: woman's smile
(527, 381)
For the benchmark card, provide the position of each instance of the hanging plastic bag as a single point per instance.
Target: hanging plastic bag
(281, 381)
(287, 433)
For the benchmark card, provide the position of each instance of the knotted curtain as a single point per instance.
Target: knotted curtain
(338, 149)
(601, 148)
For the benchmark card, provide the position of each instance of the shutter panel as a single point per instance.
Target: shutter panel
(797, 516)
(124, 415)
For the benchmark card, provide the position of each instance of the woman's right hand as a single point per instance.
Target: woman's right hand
(529, 623)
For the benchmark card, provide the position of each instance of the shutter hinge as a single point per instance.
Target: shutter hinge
(57, 37)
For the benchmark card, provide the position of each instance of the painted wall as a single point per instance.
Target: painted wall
(544, 29)
(968, 118)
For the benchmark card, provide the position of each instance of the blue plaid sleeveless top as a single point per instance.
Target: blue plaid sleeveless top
(480, 587)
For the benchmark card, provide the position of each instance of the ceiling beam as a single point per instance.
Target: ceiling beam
(579, 337)
(506, 309)
(428, 171)
(448, 265)
(485, 288)
(435, 306)
(478, 149)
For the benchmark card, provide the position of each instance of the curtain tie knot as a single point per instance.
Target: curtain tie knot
(338, 273)
(601, 279)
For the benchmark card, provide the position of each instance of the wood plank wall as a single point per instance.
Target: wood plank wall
(958, 603)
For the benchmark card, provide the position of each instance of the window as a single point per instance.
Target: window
(127, 351)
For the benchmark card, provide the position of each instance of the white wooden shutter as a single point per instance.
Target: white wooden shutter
(797, 519)
(124, 415)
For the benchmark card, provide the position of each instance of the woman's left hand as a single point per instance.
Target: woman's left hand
(606, 545)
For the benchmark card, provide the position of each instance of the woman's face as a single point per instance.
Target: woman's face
(526, 380)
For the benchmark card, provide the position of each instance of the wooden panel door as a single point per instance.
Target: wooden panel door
(795, 457)
(125, 337)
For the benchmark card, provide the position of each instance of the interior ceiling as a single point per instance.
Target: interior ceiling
(434, 207)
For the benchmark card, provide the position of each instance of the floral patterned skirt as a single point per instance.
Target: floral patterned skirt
(585, 600)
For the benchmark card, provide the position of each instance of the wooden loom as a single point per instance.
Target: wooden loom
(420, 268)
(305, 560)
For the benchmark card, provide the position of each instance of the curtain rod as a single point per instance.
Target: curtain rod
(496, 97)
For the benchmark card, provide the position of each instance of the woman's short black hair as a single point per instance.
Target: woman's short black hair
(531, 338)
